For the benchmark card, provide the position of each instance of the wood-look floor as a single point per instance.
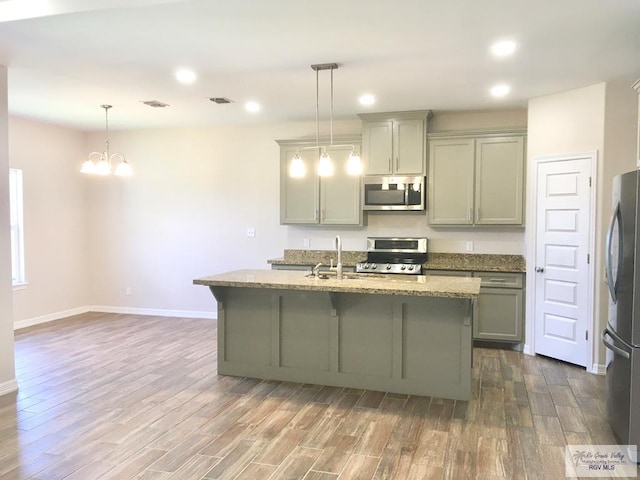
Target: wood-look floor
(121, 396)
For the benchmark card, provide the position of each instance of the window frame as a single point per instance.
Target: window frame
(16, 208)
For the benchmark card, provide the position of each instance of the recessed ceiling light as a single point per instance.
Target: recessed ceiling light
(367, 99)
(252, 107)
(500, 90)
(185, 76)
(503, 48)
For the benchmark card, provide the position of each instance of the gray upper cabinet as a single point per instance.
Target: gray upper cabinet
(476, 180)
(315, 200)
(394, 143)
(450, 181)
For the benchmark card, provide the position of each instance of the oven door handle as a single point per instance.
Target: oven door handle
(611, 345)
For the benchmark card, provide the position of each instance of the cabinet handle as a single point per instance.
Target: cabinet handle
(540, 269)
(389, 164)
(477, 215)
(397, 163)
(315, 215)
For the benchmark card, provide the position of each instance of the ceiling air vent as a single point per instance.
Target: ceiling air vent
(220, 100)
(155, 103)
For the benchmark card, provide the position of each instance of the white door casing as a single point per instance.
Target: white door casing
(563, 305)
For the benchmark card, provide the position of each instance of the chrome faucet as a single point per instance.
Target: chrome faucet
(338, 267)
(316, 270)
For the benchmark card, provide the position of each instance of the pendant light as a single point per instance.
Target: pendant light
(325, 164)
(297, 168)
(101, 163)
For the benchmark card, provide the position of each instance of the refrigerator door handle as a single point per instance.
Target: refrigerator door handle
(611, 282)
(611, 345)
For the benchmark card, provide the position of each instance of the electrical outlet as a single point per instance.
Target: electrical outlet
(251, 232)
(306, 243)
(127, 291)
(469, 247)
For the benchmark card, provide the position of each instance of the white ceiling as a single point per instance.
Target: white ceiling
(67, 57)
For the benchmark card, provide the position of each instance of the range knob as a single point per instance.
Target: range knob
(388, 267)
(410, 267)
(403, 267)
(374, 266)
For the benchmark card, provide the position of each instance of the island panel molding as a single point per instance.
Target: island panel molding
(417, 344)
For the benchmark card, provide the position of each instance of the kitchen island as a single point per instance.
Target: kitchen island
(406, 334)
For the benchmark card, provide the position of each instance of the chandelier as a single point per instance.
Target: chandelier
(325, 164)
(101, 163)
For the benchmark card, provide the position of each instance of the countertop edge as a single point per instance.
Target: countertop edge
(359, 286)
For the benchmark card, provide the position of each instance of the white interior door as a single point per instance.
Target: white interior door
(563, 232)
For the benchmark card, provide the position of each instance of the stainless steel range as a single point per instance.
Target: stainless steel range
(394, 255)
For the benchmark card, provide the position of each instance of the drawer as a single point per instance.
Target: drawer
(448, 273)
(502, 280)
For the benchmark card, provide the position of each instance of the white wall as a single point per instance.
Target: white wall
(7, 368)
(596, 118)
(55, 218)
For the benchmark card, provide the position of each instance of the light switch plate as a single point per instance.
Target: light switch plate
(251, 232)
(469, 247)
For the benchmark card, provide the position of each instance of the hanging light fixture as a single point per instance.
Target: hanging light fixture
(101, 163)
(325, 164)
(297, 168)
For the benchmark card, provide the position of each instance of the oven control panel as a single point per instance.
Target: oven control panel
(402, 268)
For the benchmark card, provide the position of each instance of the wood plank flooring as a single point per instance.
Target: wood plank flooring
(107, 396)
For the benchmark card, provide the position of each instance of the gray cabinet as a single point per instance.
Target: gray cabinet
(476, 180)
(500, 309)
(499, 315)
(394, 143)
(315, 200)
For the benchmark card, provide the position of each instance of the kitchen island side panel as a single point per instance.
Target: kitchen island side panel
(400, 344)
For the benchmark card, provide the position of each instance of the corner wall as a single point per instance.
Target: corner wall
(7, 366)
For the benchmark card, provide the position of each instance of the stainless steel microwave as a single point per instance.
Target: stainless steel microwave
(393, 193)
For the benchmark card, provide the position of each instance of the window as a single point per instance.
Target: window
(17, 228)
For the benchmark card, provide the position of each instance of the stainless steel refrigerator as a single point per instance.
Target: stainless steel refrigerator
(622, 335)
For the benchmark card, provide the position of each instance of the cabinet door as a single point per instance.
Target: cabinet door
(499, 181)
(340, 193)
(377, 138)
(299, 197)
(450, 182)
(499, 315)
(408, 146)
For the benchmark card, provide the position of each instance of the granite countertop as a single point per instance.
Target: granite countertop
(414, 285)
(436, 261)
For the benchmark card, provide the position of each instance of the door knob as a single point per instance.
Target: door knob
(539, 269)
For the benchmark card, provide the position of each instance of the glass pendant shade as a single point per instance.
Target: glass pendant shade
(325, 166)
(88, 167)
(354, 164)
(123, 169)
(297, 168)
(103, 167)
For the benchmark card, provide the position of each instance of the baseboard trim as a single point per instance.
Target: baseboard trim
(527, 350)
(598, 369)
(8, 387)
(50, 317)
(156, 312)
